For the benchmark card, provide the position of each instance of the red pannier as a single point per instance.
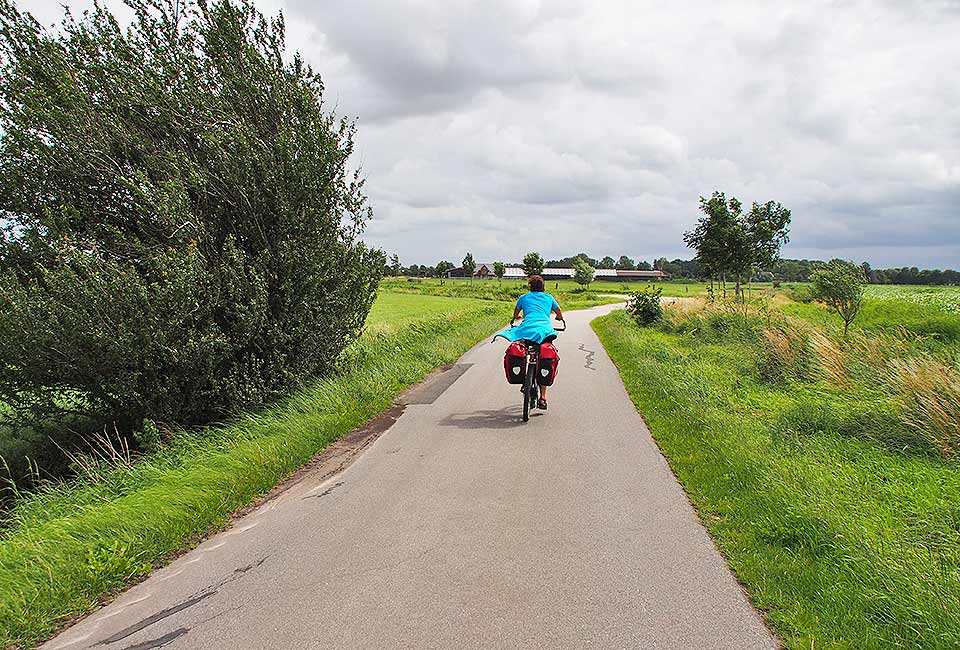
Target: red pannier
(549, 360)
(515, 363)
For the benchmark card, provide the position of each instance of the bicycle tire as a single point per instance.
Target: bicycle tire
(527, 382)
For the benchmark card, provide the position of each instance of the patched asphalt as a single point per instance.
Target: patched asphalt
(461, 527)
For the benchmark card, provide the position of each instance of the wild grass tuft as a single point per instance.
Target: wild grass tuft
(929, 391)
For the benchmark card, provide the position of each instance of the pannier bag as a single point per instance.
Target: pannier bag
(549, 360)
(515, 362)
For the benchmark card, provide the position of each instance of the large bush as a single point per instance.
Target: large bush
(180, 222)
(646, 306)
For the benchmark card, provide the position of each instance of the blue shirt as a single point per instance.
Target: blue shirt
(537, 306)
(536, 326)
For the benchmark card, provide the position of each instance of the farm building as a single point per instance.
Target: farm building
(485, 271)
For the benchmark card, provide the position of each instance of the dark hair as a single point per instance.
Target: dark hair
(535, 282)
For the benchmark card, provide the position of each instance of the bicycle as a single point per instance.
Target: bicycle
(531, 385)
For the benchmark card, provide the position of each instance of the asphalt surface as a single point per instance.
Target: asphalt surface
(461, 527)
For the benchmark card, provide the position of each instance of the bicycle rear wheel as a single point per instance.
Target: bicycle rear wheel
(527, 383)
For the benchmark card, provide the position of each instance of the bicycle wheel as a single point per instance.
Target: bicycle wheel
(527, 389)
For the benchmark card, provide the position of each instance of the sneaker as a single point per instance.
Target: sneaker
(542, 405)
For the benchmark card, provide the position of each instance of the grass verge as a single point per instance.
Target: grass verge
(844, 543)
(71, 544)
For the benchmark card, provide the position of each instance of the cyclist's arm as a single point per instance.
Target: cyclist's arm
(516, 314)
(556, 309)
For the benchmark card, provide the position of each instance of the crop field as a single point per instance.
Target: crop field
(825, 468)
(944, 298)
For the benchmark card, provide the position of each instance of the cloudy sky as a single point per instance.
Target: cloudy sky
(504, 126)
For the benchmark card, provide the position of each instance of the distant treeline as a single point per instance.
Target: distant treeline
(785, 270)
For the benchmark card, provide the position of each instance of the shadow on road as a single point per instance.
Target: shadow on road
(506, 418)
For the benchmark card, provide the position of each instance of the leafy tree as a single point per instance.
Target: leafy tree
(567, 262)
(768, 228)
(586, 258)
(625, 264)
(840, 284)
(180, 225)
(499, 269)
(442, 267)
(532, 264)
(730, 243)
(644, 266)
(717, 237)
(607, 263)
(469, 266)
(395, 268)
(582, 272)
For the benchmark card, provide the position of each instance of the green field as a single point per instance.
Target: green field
(392, 311)
(826, 470)
(71, 543)
(568, 293)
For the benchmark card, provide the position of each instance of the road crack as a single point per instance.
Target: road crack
(195, 599)
(588, 361)
(326, 492)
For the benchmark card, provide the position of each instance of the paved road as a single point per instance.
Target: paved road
(461, 527)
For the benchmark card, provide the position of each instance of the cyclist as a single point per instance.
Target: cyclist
(536, 307)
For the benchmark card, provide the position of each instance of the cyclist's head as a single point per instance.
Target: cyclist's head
(535, 282)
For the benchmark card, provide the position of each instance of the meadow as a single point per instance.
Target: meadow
(825, 468)
(568, 293)
(71, 543)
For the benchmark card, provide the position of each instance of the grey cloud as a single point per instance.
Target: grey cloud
(573, 125)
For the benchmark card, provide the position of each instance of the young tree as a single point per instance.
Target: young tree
(768, 229)
(625, 264)
(840, 284)
(499, 269)
(469, 266)
(181, 226)
(395, 268)
(582, 272)
(718, 236)
(730, 243)
(607, 263)
(442, 267)
(532, 264)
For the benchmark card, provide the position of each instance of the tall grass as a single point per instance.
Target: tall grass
(73, 542)
(920, 388)
(842, 542)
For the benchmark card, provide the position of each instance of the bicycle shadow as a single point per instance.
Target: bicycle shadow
(505, 418)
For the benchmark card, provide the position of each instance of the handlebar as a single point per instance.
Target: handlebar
(555, 329)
